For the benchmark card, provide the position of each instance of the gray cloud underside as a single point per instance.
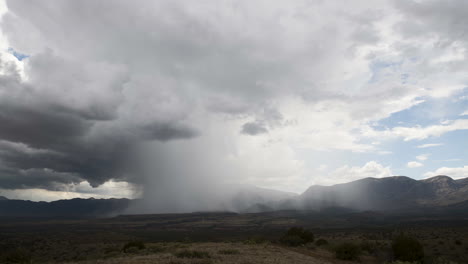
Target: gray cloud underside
(253, 128)
(46, 143)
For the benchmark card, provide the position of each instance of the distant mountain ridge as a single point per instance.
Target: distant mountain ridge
(63, 208)
(440, 194)
(248, 198)
(390, 193)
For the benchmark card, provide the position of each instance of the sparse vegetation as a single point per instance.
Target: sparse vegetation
(368, 247)
(347, 251)
(321, 242)
(406, 248)
(15, 256)
(296, 236)
(133, 246)
(235, 241)
(155, 249)
(192, 254)
(229, 251)
(442, 260)
(255, 240)
(401, 262)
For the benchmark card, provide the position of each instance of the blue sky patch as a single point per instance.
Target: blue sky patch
(19, 56)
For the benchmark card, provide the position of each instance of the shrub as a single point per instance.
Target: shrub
(292, 241)
(255, 240)
(229, 251)
(15, 256)
(111, 249)
(406, 248)
(347, 251)
(367, 246)
(441, 260)
(296, 236)
(321, 242)
(133, 246)
(192, 254)
(152, 248)
(401, 262)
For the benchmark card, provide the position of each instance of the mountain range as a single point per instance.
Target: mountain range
(390, 194)
(63, 208)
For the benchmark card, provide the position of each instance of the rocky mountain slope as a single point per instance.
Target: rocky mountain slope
(391, 193)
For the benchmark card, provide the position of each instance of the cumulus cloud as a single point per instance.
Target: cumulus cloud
(414, 164)
(422, 157)
(456, 173)
(110, 189)
(65, 128)
(350, 173)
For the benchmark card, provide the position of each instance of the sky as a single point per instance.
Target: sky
(135, 98)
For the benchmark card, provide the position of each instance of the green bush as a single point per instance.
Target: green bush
(192, 254)
(321, 242)
(296, 236)
(406, 248)
(133, 246)
(347, 251)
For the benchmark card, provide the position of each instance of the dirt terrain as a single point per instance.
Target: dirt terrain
(226, 238)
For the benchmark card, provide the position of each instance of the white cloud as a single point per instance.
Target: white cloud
(414, 164)
(384, 152)
(422, 157)
(110, 189)
(464, 113)
(456, 173)
(430, 145)
(418, 132)
(347, 173)
(430, 131)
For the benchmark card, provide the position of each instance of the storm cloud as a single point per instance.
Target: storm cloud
(57, 130)
(177, 95)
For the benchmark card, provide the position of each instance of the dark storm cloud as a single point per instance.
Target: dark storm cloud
(36, 178)
(104, 78)
(253, 128)
(45, 143)
(165, 132)
(39, 127)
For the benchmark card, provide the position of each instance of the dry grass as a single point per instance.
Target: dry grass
(245, 254)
